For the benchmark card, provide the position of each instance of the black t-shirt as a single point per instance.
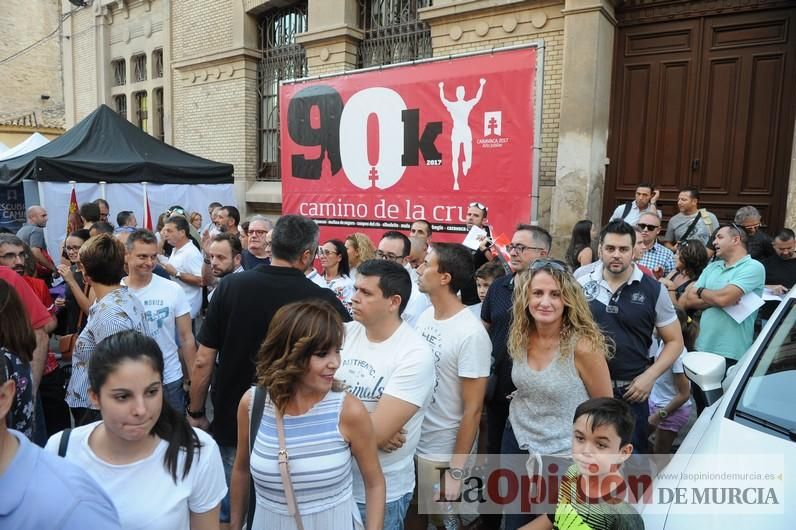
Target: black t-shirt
(778, 272)
(759, 246)
(236, 323)
(497, 312)
(249, 261)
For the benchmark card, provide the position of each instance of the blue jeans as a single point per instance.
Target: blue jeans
(641, 411)
(394, 512)
(174, 394)
(228, 458)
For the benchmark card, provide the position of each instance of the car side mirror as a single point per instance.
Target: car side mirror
(707, 371)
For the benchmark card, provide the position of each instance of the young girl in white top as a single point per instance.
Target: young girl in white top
(159, 472)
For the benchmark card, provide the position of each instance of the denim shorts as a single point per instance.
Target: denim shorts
(228, 458)
(676, 420)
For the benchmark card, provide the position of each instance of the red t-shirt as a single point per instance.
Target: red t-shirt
(37, 313)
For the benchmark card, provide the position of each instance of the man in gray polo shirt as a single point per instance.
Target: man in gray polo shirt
(32, 233)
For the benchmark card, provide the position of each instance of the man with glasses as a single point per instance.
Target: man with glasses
(758, 243)
(259, 247)
(237, 320)
(656, 257)
(527, 244)
(395, 246)
(628, 306)
(722, 284)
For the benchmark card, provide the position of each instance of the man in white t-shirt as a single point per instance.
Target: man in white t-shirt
(395, 246)
(462, 354)
(185, 263)
(389, 367)
(166, 310)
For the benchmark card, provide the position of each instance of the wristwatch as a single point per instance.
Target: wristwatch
(662, 413)
(699, 292)
(456, 473)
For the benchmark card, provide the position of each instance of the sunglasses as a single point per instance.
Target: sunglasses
(549, 264)
(640, 227)
(478, 205)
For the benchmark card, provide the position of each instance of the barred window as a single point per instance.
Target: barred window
(139, 67)
(157, 63)
(120, 104)
(393, 32)
(119, 67)
(282, 58)
(140, 111)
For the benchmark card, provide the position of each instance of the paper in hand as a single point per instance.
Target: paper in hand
(748, 304)
(474, 237)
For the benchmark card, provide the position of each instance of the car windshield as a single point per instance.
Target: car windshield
(768, 392)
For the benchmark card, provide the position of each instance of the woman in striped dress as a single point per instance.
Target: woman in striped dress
(324, 427)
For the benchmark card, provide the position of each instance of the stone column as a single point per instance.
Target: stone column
(333, 35)
(589, 27)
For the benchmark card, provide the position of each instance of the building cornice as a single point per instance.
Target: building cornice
(226, 56)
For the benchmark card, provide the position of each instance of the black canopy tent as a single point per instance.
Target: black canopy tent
(106, 147)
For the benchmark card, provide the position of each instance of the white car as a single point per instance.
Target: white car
(736, 469)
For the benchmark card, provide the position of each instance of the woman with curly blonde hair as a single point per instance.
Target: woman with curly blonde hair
(360, 248)
(323, 428)
(560, 360)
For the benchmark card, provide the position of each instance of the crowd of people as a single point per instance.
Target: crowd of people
(244, 372)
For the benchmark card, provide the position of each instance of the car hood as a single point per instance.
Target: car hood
(718, 445)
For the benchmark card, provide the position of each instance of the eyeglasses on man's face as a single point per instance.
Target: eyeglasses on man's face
(388, 255)
(520, 249)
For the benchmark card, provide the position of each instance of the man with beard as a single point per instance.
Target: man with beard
(722, 284)
(224, 253)
(628, 306)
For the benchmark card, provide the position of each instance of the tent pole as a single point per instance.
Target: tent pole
(102, 189)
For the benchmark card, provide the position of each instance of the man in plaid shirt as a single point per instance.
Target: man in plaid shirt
(657, 258)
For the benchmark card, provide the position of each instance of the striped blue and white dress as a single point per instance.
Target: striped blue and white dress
(319, 464)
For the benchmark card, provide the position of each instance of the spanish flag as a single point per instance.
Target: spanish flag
(73, 220)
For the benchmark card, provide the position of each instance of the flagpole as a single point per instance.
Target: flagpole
(102, 189)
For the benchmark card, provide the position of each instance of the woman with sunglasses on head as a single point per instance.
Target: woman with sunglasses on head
(304, 414)
(334, 260)
(159, 472)
(691, 258)
(76, 298)
(560, 360)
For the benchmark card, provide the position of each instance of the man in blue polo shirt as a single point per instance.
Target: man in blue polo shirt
(41, 490)
(722, 284)
(628, 306)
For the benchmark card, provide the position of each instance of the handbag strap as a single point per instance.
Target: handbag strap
(254, 426)
(292, 506)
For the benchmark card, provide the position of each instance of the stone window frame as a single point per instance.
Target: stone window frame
(138, 71)
(119, 69)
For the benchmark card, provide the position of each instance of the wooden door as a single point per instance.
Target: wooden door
(705, 101)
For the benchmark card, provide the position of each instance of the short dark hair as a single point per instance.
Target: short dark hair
(786, 235)
(214, 204)
(142, 235)
(742, 235)
(102, 227)
(102, 202)
(232, 212)
(90, 212)
(692, 190)
(619, 227)
(393, 279)
(11, 239)
(540, 235)
(232, 239)
(122, 217)
(491, 270)
(394, 234)
(457, 260)
(609, 411)
(180, 223)
(102, 257)
(81, 233)
(292, 236)
(645, 185)
(428, 225)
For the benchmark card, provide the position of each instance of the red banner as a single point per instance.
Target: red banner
(374, 151)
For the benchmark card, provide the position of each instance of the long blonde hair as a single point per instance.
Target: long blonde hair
(363, 245)
(577, 321)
